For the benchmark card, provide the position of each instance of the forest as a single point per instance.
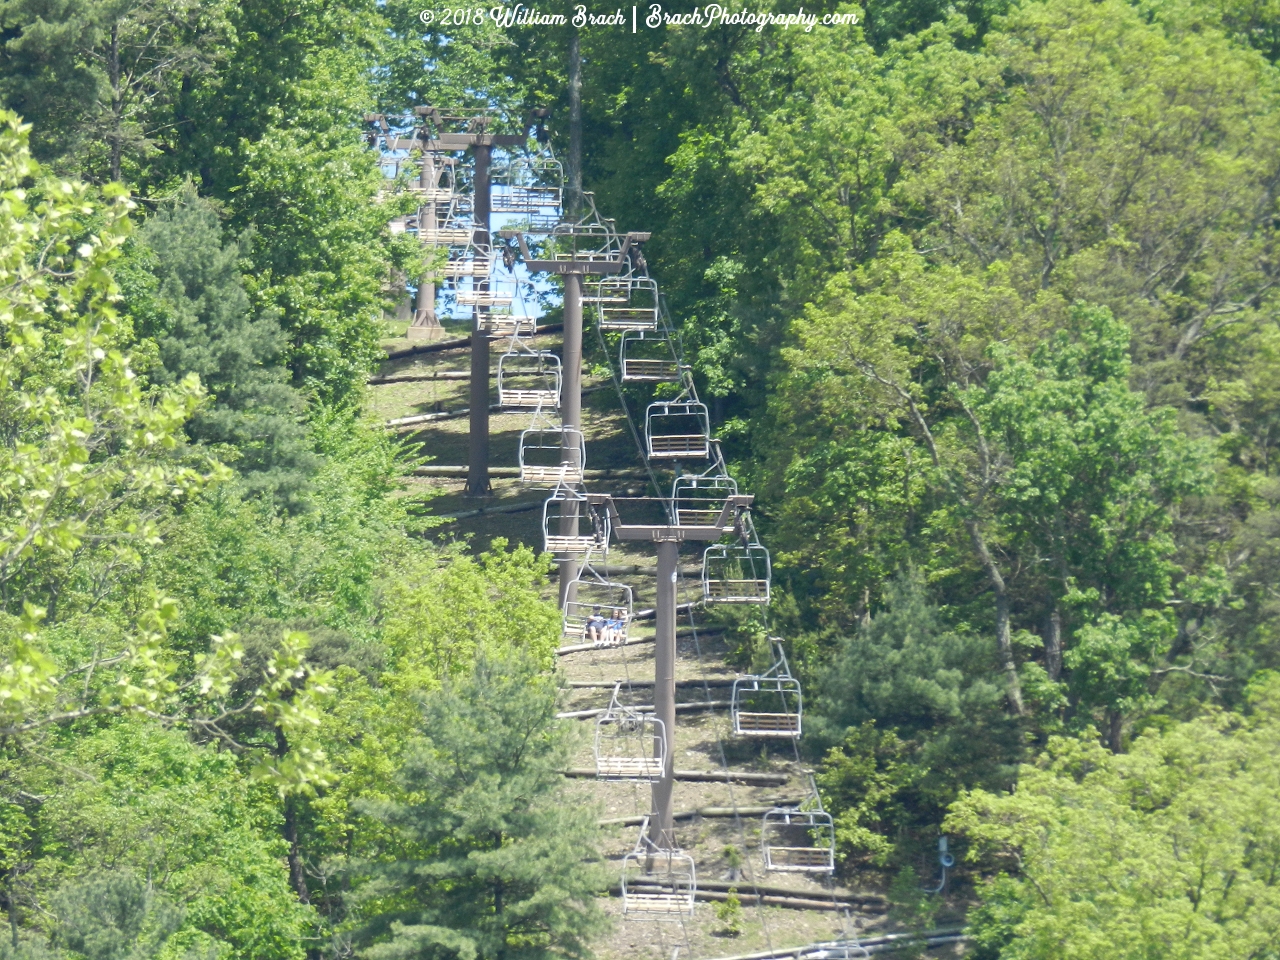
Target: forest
(982, 297)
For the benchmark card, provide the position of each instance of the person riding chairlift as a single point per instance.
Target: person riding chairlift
(597, 627)
(614, 627)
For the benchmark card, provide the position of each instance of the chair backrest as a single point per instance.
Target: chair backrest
(677, 429)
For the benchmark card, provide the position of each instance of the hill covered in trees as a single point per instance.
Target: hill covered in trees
(983, 296)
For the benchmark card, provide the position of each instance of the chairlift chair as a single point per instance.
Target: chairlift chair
(630, 745)
(593, 593)
(529, 378)
(647, 356)
(639, 312)
(442, 185)
(440, 195)
(677, 430)
(551, 456)
(608, 290)
(769, 704)
(793, 840)
(450, 232)
(483, 298)
(504, 326)
(528, 185)
(583, 242)
(698, 501)
(736, 573)
(657, 884)
(462, 267)
(566, 502)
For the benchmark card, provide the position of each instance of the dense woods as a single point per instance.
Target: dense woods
(984, 296)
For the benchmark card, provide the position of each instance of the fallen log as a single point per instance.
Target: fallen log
(650, 613)
(418, 418)
(680, 708)
(705, 812)
(884, 943)
(610, 684)
(701, 776)
(680, 635)
(457, 343)
(420, 377)
(747, 897)
(873, 900)
(513, 508)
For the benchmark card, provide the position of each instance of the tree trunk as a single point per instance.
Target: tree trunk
(297, 876)
(1053, 646)
(1115, 730)
(117, 102)
(1004, 639)
(12, 909)
(499, 907)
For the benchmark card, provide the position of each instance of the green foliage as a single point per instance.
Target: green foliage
(230, 557)
(995, 515)
(1047, 467)
(90, 464)
(87, 448)
(447, 611)
(114, 797)
(491, 861)
(729, 913)
(1112, 660)
(906, 669)
(912, 717)
(1092, 472)
(188, 296)
(100, 80)
(867, 781)
(910, 905)
(114, 915)
(319, 250)
(1170, 850)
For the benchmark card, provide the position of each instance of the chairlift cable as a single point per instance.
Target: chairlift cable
(717, 462)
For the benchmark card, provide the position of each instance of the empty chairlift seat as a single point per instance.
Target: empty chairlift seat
(470, 263)
(736, 573)
(657, 884)
(607, 290)
(483, 298)
(529, 378)
(450, 231)
(597, 610)
(552, 456)
(590, 242)
(769, 704)
(648, 356)
(571, 526)
(638, 312)
(699, 501)
(793, 840)
(677, 430)
(530, 185)
(501, 326)
(630, 745)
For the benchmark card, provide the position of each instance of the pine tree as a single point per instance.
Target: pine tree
(491, 862)
(99, 79)
(114, 915)
(184, 290)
